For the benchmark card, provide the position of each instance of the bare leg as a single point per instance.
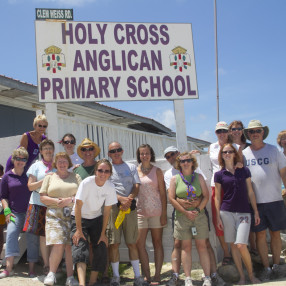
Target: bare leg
(201, 245)
(238, 263)
(68, 258)
(187, 257)
(81, 271)
(45, 251)
(262, 247)
(56, 256)
(252, 240)
(143, 254)
(212, 257)
(276, 246)
(176, 256)
(224, 246)
(133, 253)
(9, 263)
(114, 252)
(158, 251)
(93, 277)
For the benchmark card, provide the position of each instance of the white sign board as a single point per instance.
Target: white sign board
(96, 61)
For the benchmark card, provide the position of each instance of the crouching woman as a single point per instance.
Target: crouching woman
(88, 221)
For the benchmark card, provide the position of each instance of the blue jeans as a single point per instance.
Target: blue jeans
(12, 244)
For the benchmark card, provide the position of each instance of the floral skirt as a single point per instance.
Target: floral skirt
(35, 220)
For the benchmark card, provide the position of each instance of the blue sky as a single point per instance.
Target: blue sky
(251, 43)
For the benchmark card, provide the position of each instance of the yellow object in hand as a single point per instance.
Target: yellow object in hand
(120, 217)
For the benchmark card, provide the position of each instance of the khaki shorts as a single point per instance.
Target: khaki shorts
(149, 222)
(129, 227)
(183, 227)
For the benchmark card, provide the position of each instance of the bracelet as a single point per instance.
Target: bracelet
(198, 210)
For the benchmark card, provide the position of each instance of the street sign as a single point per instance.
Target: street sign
(54, 14)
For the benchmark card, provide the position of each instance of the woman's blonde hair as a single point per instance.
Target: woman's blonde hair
(194, 160)
(21, 151)
(41, 117)
(62, 155)
(280, 135)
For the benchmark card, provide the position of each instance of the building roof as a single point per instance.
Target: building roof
(12, 89)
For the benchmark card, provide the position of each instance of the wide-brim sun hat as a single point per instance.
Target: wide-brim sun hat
(221, 125)
(255, 124)
(170, 149)
(86, 142)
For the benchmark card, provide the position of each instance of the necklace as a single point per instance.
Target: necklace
(190, 190)
(145, 170)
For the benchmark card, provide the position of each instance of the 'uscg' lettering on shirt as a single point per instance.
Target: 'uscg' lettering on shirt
(259, 161)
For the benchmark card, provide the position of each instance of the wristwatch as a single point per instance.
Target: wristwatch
(198, 210)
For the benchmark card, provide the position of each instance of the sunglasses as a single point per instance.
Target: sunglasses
(103, 171)
(19, 159)
(236, 129)
(115, 150)
(69, 142)
(253, 131)
(169, 156)
(227, 152)
(87, 149)
(42, 126)
(186, 160)
(221, 131)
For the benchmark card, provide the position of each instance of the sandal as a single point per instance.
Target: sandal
(227, 261)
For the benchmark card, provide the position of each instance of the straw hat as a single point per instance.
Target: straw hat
(255, 124)
(86, 142)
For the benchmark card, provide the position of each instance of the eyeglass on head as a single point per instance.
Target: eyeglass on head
(42, 126)
(186, 160)
(171, 155)
(19, 159)
(219, 131)
(66, 142)
(84, 149)
(103, 171)
(227, 152)
(253, 131)
(115, 150)
(236, 129)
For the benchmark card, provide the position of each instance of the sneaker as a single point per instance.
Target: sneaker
(50, 279)
(115, 281)
(71, 281)
(277, 271)
(139, 281)
(173, 281)
(207, 281)
(5, 274)
(265, 274)
(217, 280)
(188, 281)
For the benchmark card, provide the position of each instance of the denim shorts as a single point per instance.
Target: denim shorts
(12, 245)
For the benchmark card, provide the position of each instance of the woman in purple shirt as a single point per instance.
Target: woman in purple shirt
(15, 197)
(31, 141)
(233, 212)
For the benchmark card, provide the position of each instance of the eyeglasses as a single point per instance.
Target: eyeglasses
(253, 131)
(115, 150)
(103, 171)
(171, 155)
(236, 129)
(186, 160)
(42, 126)
(219, 131)
(227, 152)
(69, 142)
(19, 159)
(87, 149)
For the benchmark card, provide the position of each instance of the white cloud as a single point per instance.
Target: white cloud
(167, 117)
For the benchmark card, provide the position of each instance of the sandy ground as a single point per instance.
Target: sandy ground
(21, 277)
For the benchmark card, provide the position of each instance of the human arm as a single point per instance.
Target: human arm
(191, 215)
(218, 204)
(5, 205)
(24, 141)
(252, 199)
(163, 197)
(283, 175)
(4, 193)
(125, 202)
(106, 213)
(77, 212)
(205, 193)
(33, 184)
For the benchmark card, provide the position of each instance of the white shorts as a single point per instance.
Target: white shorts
(148, 222)
(236, 226)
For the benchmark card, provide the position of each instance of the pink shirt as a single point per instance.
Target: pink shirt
(148, 199)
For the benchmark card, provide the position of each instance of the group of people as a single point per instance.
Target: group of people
(72, 204)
